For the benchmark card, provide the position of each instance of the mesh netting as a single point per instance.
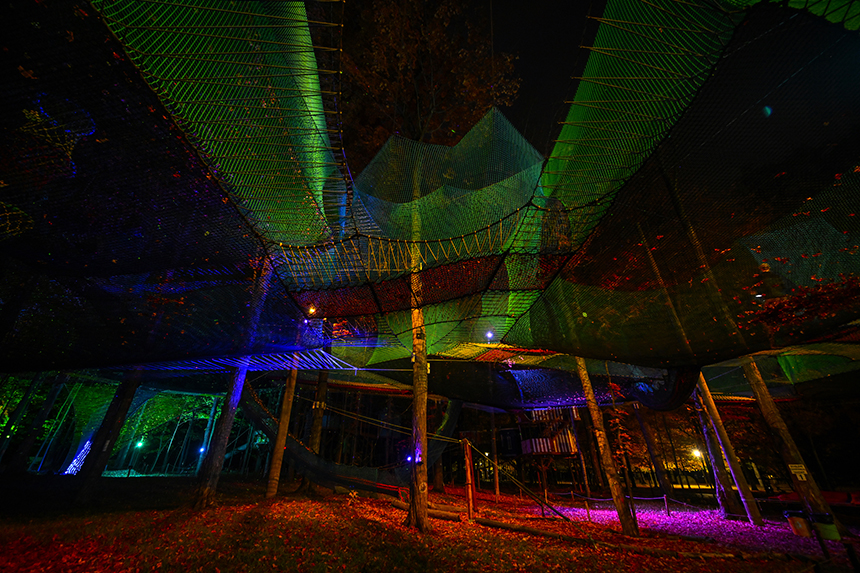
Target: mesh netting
(160, 157)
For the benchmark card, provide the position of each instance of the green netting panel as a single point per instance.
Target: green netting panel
(491, 153)
(819, 243)
(243, 79)
(846, 13)
(802, 368)
(760, 170)
(647, 63)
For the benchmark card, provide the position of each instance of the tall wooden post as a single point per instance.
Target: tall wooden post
(315, 440)
(21, 458)
(213, 462)
(281, 436)
(656, 460)
(752, 511)
(494, 452)
(803, 482)
(470, 482)
(729, 502)
(106, 436)
(417, 516)
(18, 413)
(625, 515)
(207, 433)
(584, 469)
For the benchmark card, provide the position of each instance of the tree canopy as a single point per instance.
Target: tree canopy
(424, 70)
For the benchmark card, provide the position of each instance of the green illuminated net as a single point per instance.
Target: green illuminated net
(704, 180)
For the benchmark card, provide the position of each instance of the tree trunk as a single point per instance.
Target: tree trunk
(315, 440)
(596, 466)
(58, 428)
(213, 462)
(752, 510)
(281, 437)
(625, 515)
(207, 434)
(21, 458)
(438, 476)
(730, 504)
(166, 463)
(210, 470)
(674, 453)
(417, 516)
(804, 483)
(106, 436)
(584, 469)
(495, 454)
(315, 435)
(123, 457)
(656, 460)
(18, 413)
(470, 482)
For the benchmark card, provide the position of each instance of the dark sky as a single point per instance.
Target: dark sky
(546, 36)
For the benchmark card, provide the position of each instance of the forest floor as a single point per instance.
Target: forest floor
(146, 524)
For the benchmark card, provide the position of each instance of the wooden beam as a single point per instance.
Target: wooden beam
(281, 436)
(802, 480)
(625, 515)
(753, 513)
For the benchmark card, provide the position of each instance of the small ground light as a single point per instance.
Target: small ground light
(489, 335)
(139, 444)
(202, 450)
(697, 453)
(409, 459)
(312, 310)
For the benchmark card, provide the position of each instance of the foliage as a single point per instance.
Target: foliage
(750, 436)
(424, 70)
(336, 533)
(822, 301)
(162, 408)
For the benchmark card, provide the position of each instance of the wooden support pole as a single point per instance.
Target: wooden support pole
(467, 455)
(625, 515)
(207, 434)
(315, 440)
(281, 436)
(651, 446)
(729, 502)
(417, 516)
(494, 452)
(584, 469)
(213, 462)
(750, 505)
(21, 458)
(106, 436)
(803, 482)
(12, 424)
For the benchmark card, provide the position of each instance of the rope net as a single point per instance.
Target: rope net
(161, 158)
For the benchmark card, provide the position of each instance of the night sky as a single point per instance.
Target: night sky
(546, 37)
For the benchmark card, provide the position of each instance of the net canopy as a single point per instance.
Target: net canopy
(175, 196)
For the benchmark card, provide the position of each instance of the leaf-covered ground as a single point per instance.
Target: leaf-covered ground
(347, 533)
